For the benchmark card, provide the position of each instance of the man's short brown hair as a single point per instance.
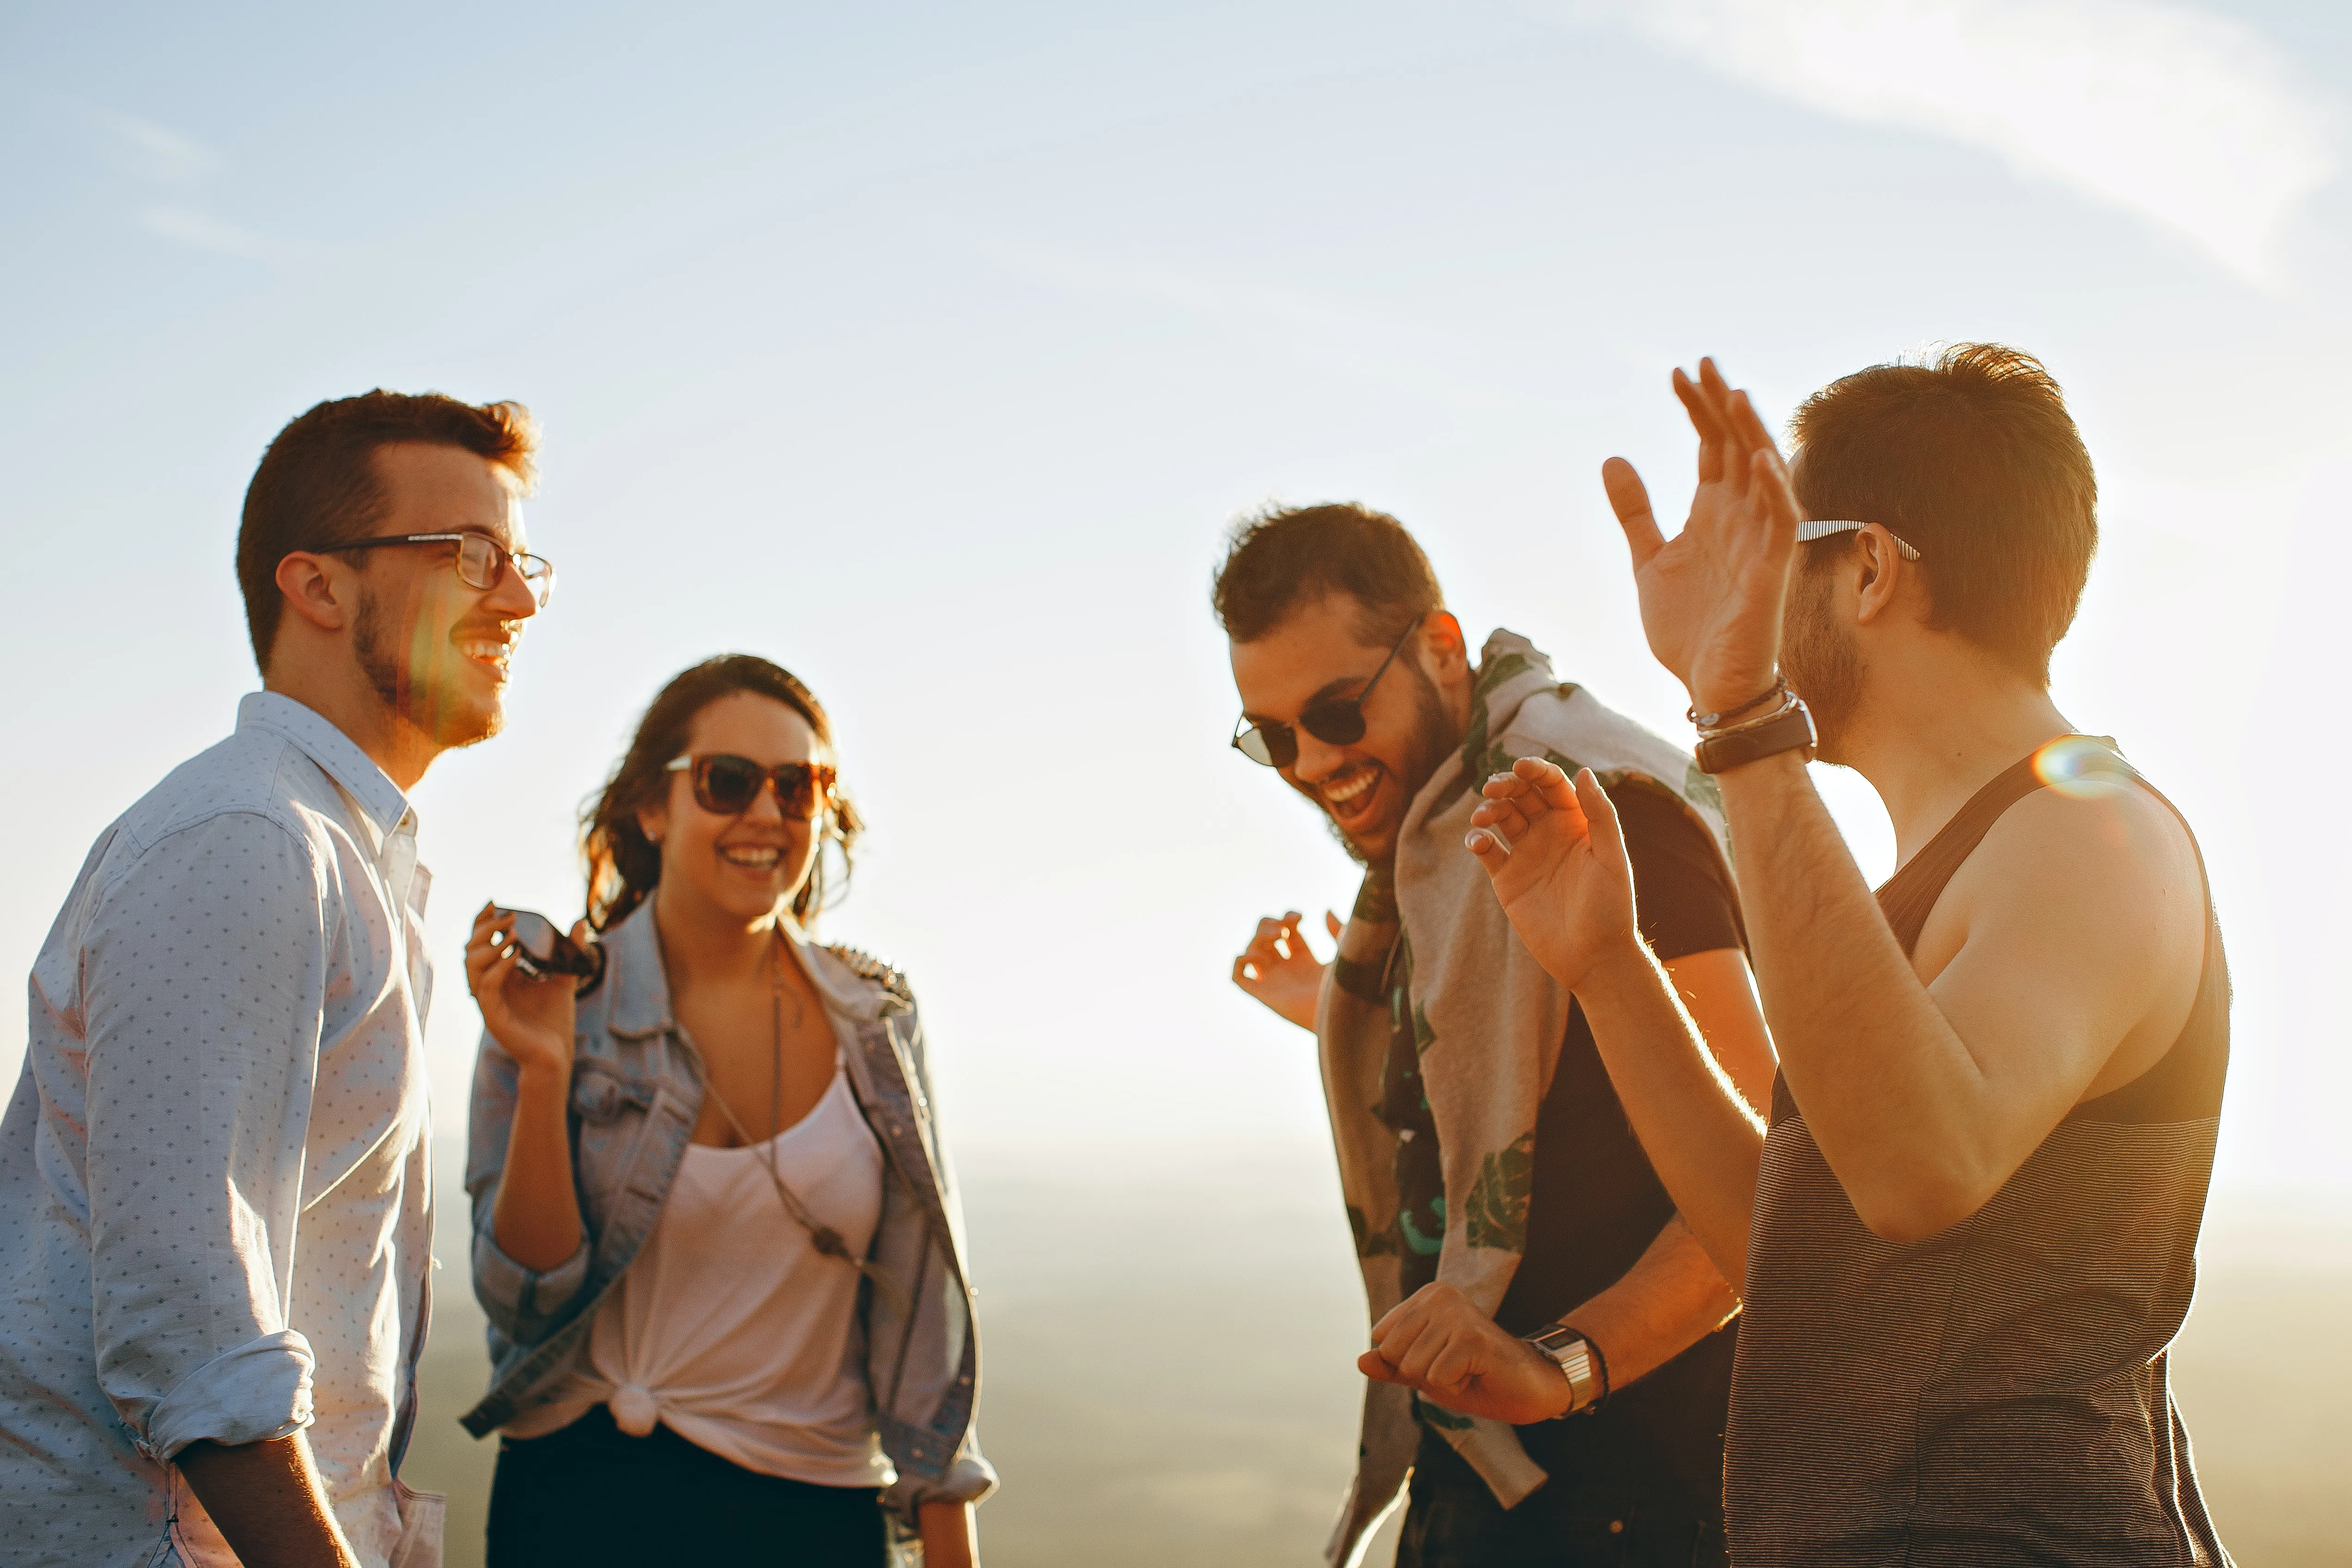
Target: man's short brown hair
(1972, 459)
(317, 485)
(1287, 557)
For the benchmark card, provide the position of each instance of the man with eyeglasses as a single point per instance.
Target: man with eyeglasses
(215, 1195)
(1488, 1171)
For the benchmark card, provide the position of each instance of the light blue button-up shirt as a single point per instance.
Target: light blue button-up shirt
(215, 1195)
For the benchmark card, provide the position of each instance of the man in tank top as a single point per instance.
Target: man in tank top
(1965, 1236)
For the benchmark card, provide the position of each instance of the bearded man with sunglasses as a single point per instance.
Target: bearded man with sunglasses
(216, 1192)
(1489, 1175)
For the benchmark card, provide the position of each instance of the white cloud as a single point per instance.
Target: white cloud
(204, 232)
(2192, 119)
(163, 154)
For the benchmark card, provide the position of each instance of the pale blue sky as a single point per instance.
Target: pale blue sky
(928, 350)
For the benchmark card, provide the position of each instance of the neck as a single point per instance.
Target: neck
(1930, 737)
(703, 947)
(398, 747)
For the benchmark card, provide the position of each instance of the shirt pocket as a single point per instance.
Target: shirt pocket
(610, 1107)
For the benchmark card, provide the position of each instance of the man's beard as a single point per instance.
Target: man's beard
(1432, 738)
(1819, 657)
(439, 712)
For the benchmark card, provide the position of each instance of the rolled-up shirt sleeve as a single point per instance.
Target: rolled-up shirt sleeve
(523, 1304)
(206, 967)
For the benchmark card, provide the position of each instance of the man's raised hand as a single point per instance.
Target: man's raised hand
(1712, 595)
(1564, 879)
(1279, 969)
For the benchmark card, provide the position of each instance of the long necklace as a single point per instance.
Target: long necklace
(822, 1237)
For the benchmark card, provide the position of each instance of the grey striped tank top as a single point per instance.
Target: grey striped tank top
(1996, 1393)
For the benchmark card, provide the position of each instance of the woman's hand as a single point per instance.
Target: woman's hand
(948, 1539)
(1559, 868)
(532, 1018)
(1278, 970)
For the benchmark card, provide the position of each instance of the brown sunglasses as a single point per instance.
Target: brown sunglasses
(727, 784)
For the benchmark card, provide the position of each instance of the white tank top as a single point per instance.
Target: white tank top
(730, 1327)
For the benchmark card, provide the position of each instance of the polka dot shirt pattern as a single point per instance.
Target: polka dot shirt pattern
(215, 1183)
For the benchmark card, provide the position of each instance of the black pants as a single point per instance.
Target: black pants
(590, 1495)
(1583, 1517)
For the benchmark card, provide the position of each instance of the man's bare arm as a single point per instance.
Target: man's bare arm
(1567, 885)
(1926, 1097)
(1703, 1131)
(1923, 1105)
(1673, 1297)
(269, 1501)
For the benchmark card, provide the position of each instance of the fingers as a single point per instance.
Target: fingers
(1706, 421)
(1277, 942)
(1505, 818)
(487, 968)
(1772, 486)
(1630, 499)
(1551, 785)
(1332, 923)
(1600, 815)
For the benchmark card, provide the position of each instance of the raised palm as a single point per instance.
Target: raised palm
(1712, 595)
(1565, 881)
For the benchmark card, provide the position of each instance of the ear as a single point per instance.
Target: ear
(1880, 571)
(319, 592)
(653, 821)
(1441, 633)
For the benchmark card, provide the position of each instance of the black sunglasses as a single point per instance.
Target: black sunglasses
(727, 784)
(1339, 722)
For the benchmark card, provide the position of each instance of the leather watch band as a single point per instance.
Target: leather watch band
(1792, 731)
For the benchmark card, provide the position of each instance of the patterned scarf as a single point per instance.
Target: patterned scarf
(1490, 1023)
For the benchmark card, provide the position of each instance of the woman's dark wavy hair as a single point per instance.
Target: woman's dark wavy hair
(624, 865)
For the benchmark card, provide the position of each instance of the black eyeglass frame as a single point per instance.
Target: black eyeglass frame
(1338, 722)
(536, 570)
(811, 785)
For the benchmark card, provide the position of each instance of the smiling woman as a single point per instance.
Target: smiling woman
(686, 1180)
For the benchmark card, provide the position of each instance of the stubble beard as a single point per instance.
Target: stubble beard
(437, 711)
(1432, 738)
(1819, 657)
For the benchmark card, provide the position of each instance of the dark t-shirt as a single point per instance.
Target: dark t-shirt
(1597, 1204)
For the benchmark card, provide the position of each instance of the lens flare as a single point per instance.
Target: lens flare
(2084, 766)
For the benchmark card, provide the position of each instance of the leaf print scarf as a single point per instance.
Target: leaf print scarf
(1494, 1024)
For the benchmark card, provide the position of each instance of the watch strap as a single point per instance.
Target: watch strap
(1789, 731)
(1578, 1362)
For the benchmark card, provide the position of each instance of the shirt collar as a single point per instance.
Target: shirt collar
(335, 753)
(640, 1004)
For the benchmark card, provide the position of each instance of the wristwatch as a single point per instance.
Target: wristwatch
(1790, 730)
(1574, 1355)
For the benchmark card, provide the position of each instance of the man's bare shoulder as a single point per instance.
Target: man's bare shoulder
(2091, 898)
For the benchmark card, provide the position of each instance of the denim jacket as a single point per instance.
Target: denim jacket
(637, 1093)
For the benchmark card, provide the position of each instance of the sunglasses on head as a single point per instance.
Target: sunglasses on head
(727, 784)
(1338, 722)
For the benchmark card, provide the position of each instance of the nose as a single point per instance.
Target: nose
(1317, 759)
(513, 599)
(767, 806)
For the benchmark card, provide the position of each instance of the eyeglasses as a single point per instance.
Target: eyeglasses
(481, 560)
(1339, 721)
(726, 785)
